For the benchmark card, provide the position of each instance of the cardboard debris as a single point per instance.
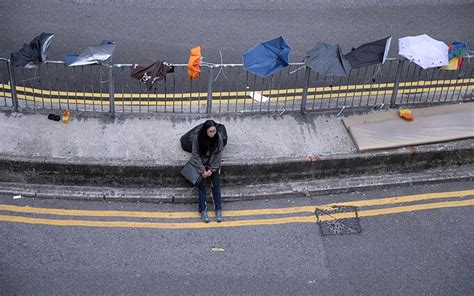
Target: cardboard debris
(383, 130)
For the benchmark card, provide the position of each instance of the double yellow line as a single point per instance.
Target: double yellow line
(234, 97)
(304, 214)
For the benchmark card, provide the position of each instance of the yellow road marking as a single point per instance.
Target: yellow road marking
(118, 224)
(234, 97)
(231, 100)
(236, 213)
(407, 198)
(239, 93)
(434, 89)
(276, 221)
(404, 209)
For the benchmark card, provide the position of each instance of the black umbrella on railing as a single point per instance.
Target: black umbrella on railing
(35, 52)
(369, 53)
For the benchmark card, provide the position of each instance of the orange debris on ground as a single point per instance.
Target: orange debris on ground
(405, 114)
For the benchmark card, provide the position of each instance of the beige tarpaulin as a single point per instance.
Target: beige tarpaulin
(430, 125)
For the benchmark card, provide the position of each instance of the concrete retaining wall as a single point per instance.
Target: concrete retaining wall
(26, 171)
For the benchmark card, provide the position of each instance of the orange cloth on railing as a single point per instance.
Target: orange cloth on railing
(194, 64)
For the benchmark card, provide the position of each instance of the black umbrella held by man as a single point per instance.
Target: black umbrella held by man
(35, 52)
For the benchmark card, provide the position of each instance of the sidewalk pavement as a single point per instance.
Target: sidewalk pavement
(154, 139)
(142, 152)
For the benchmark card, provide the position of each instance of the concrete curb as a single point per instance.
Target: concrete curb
(142, 175)
(239, 193)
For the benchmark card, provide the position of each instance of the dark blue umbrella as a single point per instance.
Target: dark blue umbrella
(327, 59)
(267, 58)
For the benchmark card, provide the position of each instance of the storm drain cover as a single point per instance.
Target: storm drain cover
(338, 220)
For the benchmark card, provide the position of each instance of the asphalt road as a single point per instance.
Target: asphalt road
(147, 30)
(426, 252)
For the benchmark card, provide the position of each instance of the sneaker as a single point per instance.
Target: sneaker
(204, 217)
(219, 216)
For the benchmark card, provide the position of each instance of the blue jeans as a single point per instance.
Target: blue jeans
(216, 192)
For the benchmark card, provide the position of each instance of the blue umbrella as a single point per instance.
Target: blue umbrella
(267, 58)
(458, 49)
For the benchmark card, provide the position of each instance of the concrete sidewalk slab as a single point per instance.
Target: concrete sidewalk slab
(154, 139)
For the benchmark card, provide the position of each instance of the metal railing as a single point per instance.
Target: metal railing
(229, 88)
(5, 82)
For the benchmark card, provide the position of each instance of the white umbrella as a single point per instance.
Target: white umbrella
(424, 51)
(94, 55)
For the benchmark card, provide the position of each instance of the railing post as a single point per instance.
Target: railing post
(305, 89)
(209, 92)
(111, 89)
(11, 75)
(393, 99)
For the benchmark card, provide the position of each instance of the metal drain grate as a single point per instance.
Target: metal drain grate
(329, 223)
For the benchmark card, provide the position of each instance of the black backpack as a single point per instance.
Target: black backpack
(188, 138)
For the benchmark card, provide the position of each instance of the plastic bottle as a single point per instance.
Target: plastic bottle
(66, 116)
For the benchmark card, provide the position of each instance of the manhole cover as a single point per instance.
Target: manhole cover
(338, 220)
